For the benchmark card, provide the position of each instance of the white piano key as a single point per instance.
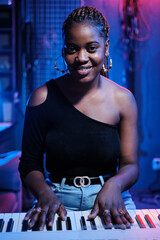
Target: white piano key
(154, 214)
(99, 224)
(71, 215)
(20, 222)
(2, 215)
(85, 215)
(63, 225)
(54, 227)
(158, 210)
(15, 217)
(6, 218)
(134, 225)
(78, 215)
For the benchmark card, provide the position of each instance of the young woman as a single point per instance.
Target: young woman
(87, 127)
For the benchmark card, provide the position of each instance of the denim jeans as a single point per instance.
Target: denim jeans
(80, 199)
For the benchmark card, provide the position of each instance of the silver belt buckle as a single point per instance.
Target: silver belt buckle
(82, 181)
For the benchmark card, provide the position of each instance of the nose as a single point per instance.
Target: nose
(82, 56)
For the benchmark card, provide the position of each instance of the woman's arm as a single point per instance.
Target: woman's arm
(128, 171)
(31, 164)
(48, 203)
(110, 195)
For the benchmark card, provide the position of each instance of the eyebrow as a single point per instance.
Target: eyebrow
(70, 43)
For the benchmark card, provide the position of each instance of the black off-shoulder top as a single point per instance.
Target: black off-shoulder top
(74, 144)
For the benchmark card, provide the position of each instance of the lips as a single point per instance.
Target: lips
(83, 70)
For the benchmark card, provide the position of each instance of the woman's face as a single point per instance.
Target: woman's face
(84, 51)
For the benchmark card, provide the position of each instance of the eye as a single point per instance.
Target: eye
(70, 49)
(92, 49)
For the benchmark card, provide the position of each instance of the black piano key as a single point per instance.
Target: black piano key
(93, 224)
(59, 223)
(105, 225)
(83, 223)
(35, 227)
(149, 221)
(68, 224)
(159, 217)
(49, 228)
(10, 225)
(24, 226)
(139, 221)
(1, 224)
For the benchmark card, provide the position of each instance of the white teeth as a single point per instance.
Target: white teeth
(84, 69)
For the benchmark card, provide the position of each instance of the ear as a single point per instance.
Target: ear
(107, 48)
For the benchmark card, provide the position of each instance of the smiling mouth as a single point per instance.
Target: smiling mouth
(83, 69)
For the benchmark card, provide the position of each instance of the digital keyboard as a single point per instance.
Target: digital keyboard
(146, 226)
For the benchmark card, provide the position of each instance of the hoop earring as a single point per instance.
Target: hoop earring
(55, 65)
(108, 66)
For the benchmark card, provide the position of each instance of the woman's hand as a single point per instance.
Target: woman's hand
(44, 211)
(110, 206)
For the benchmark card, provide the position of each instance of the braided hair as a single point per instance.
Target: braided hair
(88, 14)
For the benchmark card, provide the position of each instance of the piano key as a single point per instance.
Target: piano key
(6, 218)
(154, 215)
(87, 221)
(15, 216)
(63, 223)
(140, 218)
(98, 223)
(54, 227)
(22, 225)
(1, 224)
(149, 218)
(71, 215)
(10, 225)
(134, 225)
(149, 221)
(78, 215)
(140, 222)
(59, 223)
(158, 210)
(83, 223)
(93, 224)
(68, 224)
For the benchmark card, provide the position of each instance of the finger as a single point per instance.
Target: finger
(29, 213)
(94, 212)
(41, 220)
(107, 218)
(51, 216)
(128, 217)
(125, 221)
(62, 212)
(117, 220)
(33, 218)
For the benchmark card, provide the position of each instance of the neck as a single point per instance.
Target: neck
(75, 90)
(80, 87)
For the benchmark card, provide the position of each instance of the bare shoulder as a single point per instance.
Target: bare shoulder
(38, 96)
(124, 99)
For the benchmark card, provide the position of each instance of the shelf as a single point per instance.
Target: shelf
(7, 61)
